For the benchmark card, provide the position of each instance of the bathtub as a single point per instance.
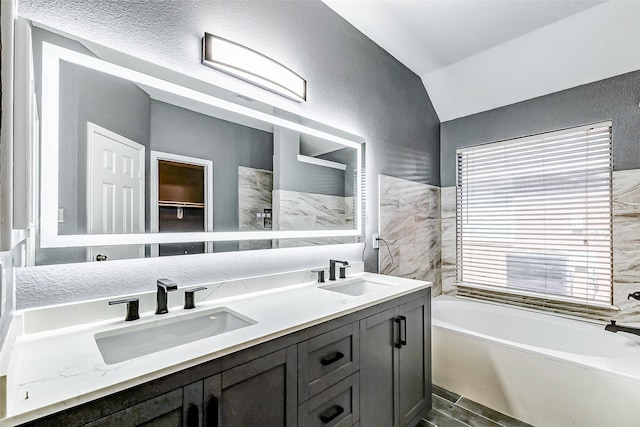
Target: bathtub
(545, 370)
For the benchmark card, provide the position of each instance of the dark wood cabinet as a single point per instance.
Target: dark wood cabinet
(261, 392)
(166, 410)
(345, 372)
(395, 365)
(378, 363)
(414, 366)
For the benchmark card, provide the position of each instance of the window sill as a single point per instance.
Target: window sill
(555, 305)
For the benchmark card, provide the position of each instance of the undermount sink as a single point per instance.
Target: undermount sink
(357, 288)
(139, 340)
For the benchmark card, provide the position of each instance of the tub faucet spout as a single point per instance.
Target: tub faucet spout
(612, 327)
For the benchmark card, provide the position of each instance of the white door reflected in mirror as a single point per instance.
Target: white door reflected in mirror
(115, 190)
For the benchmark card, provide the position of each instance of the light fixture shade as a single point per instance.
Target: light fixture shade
(253, 67)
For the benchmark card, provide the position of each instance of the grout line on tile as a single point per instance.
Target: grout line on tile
(509, 421)
(479, 415)
(475, 410)
(451, 418)
(474, 416)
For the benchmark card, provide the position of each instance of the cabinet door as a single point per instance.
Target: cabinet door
(395, 365)
(163, 411)
(414, 359)
(260, 393)
(378, 362)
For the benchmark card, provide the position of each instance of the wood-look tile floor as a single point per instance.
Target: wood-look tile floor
(452, 410)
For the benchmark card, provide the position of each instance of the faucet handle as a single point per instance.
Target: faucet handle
(189, 297)
(320, 275)
(133, 306)
(343, 271)
(635, 295)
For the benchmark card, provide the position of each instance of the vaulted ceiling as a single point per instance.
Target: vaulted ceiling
(476, 55)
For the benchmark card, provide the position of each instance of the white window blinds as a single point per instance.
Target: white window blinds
(534, 215)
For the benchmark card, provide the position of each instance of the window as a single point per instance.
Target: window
(534, 216)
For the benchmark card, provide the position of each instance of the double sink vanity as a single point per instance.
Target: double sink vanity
(263, 351)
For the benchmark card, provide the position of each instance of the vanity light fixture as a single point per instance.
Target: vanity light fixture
(253, 67)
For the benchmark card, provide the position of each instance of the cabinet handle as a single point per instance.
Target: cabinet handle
(398, 344)
(403, 327)
(330, 414)
(193, 416)
(212, 412)
(328, 360)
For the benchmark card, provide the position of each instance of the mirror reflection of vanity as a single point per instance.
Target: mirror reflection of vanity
(133, 165)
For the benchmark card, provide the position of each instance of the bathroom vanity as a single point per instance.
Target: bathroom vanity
(353, 351)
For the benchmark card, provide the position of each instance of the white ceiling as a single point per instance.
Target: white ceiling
(476, 55)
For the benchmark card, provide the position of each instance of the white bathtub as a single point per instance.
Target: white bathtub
(545, 370)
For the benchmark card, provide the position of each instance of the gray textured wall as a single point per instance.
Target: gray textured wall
(613, 99)
(353, 84)
(348, 157)
(293, 175)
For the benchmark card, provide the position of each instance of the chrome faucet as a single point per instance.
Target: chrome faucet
(332, 268)
(612, 327)
(164, 286)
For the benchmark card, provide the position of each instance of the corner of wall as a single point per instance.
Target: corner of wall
(7, 294)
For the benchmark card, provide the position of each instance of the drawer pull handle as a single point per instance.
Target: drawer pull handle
(403, 330)
(193, 416)
(328, 360)
(211, 416)
(330, 414)
(397, 321)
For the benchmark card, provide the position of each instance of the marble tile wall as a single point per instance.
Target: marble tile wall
(410, 224)
(294, 210)
(626, 247)
(626, 243)
(448, 224)
(254, 196)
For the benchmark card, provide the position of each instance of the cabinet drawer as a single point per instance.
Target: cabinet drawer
(338, 406)
(326, 359)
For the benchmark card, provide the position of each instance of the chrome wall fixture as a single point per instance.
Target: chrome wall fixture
(253, 67)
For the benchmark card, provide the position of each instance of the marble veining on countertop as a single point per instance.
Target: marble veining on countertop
(58, 366)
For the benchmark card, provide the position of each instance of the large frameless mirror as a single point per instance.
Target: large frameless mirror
(133, 165)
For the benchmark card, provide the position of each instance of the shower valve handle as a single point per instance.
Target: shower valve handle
(635, 295)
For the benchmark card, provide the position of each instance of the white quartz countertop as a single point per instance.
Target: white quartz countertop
(57, 367)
